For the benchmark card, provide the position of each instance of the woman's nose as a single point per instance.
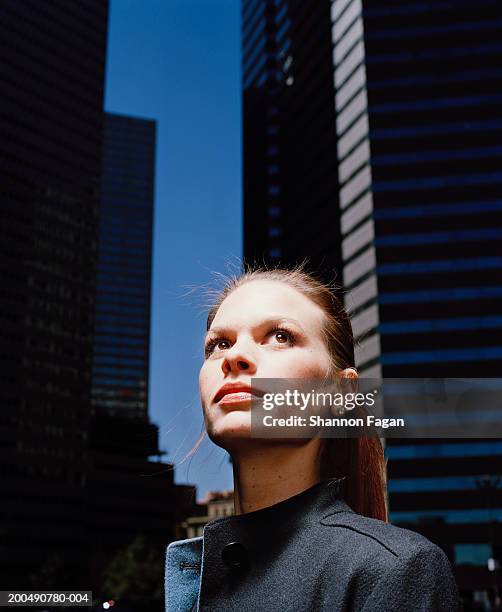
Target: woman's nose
(238, 359)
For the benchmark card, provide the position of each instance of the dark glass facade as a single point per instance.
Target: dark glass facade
(122, 331)
(289, 141)
(51, 79)
(418, 123)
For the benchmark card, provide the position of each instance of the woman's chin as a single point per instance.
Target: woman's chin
(234, 425)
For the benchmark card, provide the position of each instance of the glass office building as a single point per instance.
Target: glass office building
(418, 120)
(122, 331)
(289, 141)
(51, 79)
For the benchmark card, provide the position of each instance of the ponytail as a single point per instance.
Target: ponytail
(358, 464)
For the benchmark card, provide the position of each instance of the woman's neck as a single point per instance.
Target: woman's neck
(265, 475)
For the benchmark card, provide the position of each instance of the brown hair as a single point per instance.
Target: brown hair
(357, 464)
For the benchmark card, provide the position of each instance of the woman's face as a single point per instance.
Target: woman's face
(263, 329)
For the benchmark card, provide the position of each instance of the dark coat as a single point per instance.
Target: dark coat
(310, 552)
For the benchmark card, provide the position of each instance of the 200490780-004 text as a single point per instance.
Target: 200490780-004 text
(26, 599)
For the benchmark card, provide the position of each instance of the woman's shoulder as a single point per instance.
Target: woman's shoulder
(400, 564)
(366, 535)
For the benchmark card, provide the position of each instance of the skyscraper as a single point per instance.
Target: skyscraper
(51, 78)
(418, 119)
(415, 217)
(123, 291)
(289, 140)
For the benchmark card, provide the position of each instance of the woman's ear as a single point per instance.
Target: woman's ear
(349, 378)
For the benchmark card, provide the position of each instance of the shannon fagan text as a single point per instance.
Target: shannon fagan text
(318, 421)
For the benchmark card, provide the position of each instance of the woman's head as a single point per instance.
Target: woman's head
(283, 323)
(270, 324)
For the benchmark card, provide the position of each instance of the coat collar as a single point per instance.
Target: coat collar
(302, 510)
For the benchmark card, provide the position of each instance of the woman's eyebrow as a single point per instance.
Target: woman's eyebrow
(276, 320)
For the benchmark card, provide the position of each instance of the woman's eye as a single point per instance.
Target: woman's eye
(283, 337)
(215, 344)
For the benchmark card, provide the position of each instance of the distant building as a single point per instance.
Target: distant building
(217, 504)
(123, 290)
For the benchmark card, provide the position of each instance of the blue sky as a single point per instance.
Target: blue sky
(178, 62)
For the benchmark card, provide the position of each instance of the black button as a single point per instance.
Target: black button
(234, 555)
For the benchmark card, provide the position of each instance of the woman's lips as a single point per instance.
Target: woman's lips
(237, 397)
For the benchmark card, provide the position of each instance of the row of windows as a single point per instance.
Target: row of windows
(473, 554)
(439, 237)
(112, 351)
(123, 404)
(433, 210)
(104, 370)
(445, 265)
(448, 516)
(123, 282)
(447, 103)
(440, 325)
(442, 483)
(482, 353)
(118, 382)
(119, 339)
(107, 295)
(118, 390)
(402, 158)
(113, 318)
(120, 329)
(427, 30)
(109, 292)
(398, 133)
(428, 451)
(120, 361)
(123, 236)
(439, 295)
(120, 310)
(437, 182)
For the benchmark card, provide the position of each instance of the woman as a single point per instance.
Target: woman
(309, 531)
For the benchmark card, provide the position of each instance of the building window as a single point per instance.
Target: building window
(472, 554)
